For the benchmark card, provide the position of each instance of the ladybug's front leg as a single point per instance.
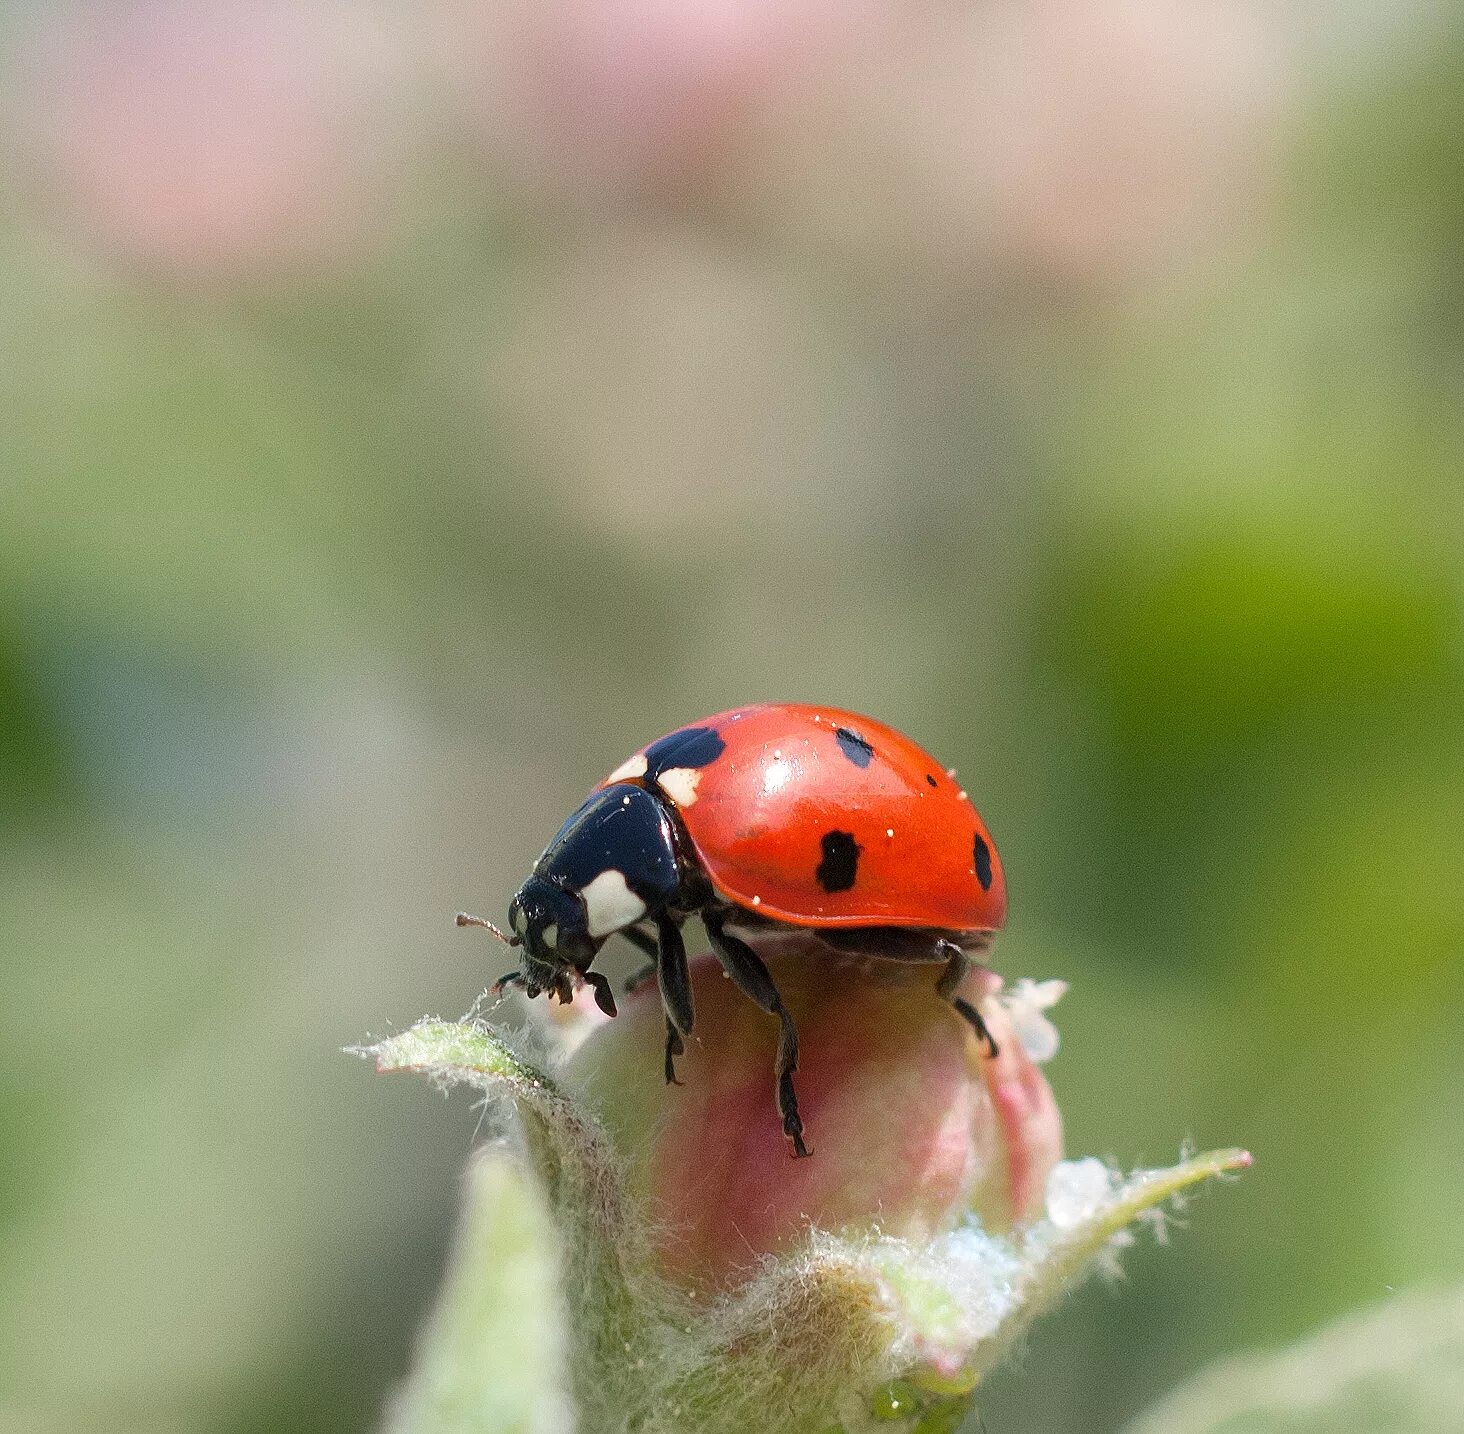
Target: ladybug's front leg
(644, 942)
(604, 994)
(675, 983)
(957, 965)
(751, 977)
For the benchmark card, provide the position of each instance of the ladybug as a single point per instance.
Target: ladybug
(770, 819)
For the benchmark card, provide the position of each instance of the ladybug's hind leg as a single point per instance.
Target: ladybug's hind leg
(675, 983)
(956, 967)
(751, 977)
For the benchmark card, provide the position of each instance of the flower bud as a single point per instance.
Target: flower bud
(911, 1123)
(202, 138)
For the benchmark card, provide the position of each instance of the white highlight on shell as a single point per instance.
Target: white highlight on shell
(680, 784)
(889, 831)
(610, 904)
(776, 775)
(757, 901)
(632, 767)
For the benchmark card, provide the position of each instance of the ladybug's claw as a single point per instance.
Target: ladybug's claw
(675, 1046)
(792, 1121)
(983, 1031)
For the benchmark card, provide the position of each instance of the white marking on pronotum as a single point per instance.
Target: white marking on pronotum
(610, 904)
(632, 767)
(550, 936)
(680, 784)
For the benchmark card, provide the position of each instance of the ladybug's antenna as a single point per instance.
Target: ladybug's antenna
(463, 919)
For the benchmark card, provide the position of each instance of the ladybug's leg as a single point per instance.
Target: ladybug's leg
(604, 994)
(751, 977)
(642, 941)
(956, 967)
(675, 1046)
(675, 983)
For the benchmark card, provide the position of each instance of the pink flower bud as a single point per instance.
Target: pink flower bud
(612, 95)
(203, 137)
(910, 1122)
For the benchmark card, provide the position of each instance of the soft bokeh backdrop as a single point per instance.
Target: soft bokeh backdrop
(406, 412)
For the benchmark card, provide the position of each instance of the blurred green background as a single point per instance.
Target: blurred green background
(406, 412)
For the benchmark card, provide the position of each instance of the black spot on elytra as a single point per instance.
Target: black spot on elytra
(982, 854)
(929, 777)
(690, 747)
(840, 862)
(854, 747)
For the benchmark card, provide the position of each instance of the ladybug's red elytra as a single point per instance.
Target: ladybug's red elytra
(775, 818)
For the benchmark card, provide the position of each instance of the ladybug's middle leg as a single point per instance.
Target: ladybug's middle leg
(675, 983)
(751, 977)
(956, 967)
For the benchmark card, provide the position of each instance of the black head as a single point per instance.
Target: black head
(612, 864)
(550, 924)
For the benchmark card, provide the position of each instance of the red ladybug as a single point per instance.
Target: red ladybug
(762, 820)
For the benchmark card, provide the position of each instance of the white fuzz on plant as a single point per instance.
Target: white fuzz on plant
(1027, 1003)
